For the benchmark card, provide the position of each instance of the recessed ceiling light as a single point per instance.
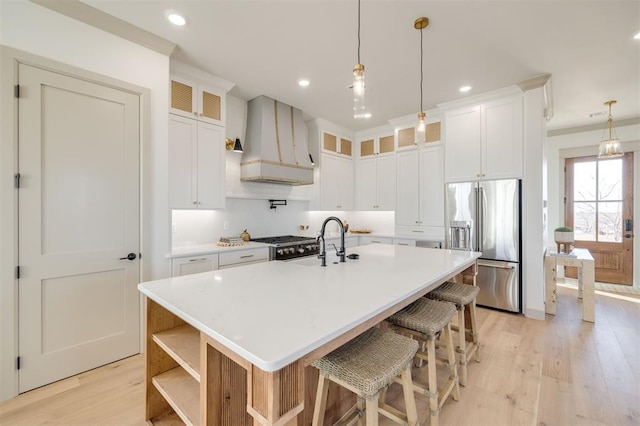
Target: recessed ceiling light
(465, 89)
(176, 19)
(303, 82)
(637, 36)
(367, 115)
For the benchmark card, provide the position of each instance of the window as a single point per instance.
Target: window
(597, 199)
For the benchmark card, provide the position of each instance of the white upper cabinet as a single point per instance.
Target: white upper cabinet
(485, 141)
(376, 172)
(336, 182)
(420, 192)
(193, 100)
(196, 164)
(336, 144)
(376, 183)
(378, 145)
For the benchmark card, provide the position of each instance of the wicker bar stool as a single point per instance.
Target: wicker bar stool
(425, 320)
(462, 295)
(366, 365)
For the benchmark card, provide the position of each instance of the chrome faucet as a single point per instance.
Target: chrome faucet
(341, 252)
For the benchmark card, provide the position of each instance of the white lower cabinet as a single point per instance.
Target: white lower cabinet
(404, 242)
(365, 240)
(348, 242)
(194, 265)
(212, 262)
(242, 257)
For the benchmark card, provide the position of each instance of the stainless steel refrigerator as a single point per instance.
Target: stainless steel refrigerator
(485, 216)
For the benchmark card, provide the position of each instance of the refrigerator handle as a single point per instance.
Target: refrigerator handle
(480, 218)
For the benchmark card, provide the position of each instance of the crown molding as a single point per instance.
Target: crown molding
(99, 19)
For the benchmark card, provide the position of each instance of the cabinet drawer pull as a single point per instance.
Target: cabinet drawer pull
(198, 259)
(418, 231)
(403, 244)
(246, 256)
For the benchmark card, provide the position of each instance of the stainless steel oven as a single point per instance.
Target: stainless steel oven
(288, 247)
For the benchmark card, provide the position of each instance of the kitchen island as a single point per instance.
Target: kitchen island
(234, 346)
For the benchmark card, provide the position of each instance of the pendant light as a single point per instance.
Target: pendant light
(359, 109)
(421, 129)
(610, 148)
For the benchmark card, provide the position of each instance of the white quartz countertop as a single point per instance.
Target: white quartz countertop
(274, 313)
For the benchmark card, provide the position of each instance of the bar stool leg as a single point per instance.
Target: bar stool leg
(433, 383)
(321, 400)
(409, 399)
(474, 331)
(453, 369)
(361, 407)
(372, 411)
(462, 346)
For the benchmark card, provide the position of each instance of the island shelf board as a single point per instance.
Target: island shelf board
(183, 345)
(182, 392)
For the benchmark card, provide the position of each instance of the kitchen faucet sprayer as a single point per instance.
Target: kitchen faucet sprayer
(341, 252)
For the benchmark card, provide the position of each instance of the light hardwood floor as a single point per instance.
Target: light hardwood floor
(562, 371)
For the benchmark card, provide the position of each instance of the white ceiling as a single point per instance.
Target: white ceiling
(265, 46)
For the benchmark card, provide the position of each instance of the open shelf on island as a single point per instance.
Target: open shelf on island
(183, 345)
(182, 393)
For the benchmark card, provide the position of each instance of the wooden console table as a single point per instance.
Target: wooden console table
(586, 281)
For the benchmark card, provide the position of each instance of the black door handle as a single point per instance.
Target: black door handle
(627, 235)
(130, 256)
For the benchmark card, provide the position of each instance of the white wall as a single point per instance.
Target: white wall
(534, 196)
(39, 31)
(202, 227)
(584, 143)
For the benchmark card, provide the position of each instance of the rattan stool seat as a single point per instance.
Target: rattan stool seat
(370, 361)
(366, 365)
(425, 320)
(424, 315)
(457, 293)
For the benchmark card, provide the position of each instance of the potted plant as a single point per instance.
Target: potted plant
(563, 237)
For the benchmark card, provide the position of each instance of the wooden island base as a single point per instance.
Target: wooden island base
(186, 369)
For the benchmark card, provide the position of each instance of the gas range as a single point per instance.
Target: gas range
(288, 247)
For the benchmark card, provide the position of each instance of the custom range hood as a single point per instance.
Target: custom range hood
(275, 148)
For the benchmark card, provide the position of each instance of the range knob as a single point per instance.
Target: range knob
(301, 250)
(280, 251)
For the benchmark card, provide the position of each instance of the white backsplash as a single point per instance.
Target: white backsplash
(199, 227)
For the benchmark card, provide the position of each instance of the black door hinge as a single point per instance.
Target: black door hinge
(17, 272)
(16, 180)
(18, 363)
(16, 91)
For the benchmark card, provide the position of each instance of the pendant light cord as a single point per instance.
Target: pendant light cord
(358, 31)
(421, 72)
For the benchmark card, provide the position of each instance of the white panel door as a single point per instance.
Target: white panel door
(78, 215)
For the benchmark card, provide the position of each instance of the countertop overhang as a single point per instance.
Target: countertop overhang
(274, 313)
